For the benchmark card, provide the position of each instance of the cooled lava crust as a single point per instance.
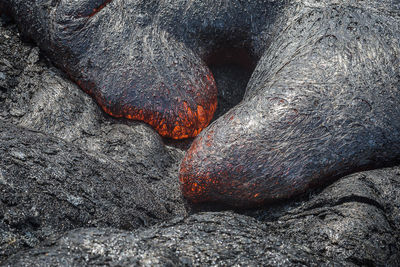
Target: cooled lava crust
(323, 100)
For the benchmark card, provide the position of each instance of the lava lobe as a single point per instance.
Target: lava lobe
(130, 64)
(323, 100)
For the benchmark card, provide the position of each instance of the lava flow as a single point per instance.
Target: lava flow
(179, 121)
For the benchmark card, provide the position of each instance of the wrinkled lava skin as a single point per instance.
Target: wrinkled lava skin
(117, 52)
(323, 101)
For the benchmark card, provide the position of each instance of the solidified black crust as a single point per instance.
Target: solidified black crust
(144, 59)
(323, 100)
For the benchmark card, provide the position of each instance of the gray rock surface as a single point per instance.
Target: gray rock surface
(49, 185)
(222, 238)
(39, 97)
(356, 219)
(353, 221)
(322, 102)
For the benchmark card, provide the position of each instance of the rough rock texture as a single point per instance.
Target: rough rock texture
(50, 185)
(223, 239)
(353, 221)
(36, 96)
(322, 102)
(356, 219)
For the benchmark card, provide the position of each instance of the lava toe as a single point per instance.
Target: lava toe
(323, 101)
(116, 52)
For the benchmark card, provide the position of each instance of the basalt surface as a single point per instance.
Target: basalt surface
(182, 242)
(353, 221)
(323, 100)
(37, 96)
(48, 185)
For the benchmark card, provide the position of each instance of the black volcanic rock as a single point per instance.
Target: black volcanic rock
(39, 97)
(322, 102)
(218, 239)
(49, 185)
(354, 221)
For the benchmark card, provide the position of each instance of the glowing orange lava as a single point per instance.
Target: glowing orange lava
(179, 123)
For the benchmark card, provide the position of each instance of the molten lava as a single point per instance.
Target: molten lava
(183, 121)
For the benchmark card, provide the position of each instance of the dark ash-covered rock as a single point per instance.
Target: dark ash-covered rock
(354, 221)
(222, 239)
(322, 102)
(49, 185)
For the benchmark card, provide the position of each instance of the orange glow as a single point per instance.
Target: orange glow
(227, 183)
(184, 123)
(96, 10)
